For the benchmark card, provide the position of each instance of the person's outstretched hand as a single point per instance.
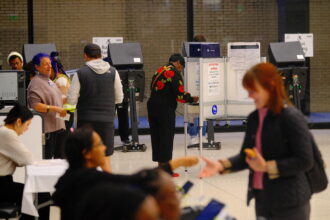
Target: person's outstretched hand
(211, 168)
(187, 161)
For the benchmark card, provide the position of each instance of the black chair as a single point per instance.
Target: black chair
(9, 210)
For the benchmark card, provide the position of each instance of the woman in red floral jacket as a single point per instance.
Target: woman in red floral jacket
(166, 89)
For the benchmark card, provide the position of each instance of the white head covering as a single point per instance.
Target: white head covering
(14, 53)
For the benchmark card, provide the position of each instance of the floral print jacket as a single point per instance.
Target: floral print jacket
(167, 86)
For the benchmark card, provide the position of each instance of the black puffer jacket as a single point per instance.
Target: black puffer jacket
(287, 140)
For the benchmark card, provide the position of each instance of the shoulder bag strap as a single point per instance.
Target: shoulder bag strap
(155, 80)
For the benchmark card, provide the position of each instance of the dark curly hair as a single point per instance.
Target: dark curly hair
(76, 144)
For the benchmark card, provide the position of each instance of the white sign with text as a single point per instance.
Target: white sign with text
(103, 42)
(306, 41)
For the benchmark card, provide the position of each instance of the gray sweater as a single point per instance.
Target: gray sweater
(42, 90)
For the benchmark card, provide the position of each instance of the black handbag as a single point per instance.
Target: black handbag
(317, 176)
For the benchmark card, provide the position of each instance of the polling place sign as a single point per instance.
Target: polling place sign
(103, 42)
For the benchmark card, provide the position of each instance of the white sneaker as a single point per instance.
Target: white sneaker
(193, 140)
(204, 139)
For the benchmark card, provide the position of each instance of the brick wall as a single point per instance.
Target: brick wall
(160, 27)
(72, 24)
(237, 21)
(320, 65)
(13, 28)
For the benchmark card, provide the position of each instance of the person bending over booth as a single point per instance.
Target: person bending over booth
(278, 148)
(85, 151)
(166, 90)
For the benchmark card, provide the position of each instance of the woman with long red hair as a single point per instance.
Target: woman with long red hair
(277, 149)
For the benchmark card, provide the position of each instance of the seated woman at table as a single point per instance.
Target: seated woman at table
(84, 152)
(14, 154)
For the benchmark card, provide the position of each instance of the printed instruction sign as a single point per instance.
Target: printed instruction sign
(243, 55)
(197, 75)
(213, 79)
(306, 41)
(103, 42)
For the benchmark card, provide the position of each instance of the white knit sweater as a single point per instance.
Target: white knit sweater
(13, 153)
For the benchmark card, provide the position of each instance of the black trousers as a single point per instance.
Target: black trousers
(301, 212)
(69, 124)
(123, 121)
(105, 130)
(54, 144)
(12, 192)
(162, 126)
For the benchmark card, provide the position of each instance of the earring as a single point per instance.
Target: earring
(17, 124)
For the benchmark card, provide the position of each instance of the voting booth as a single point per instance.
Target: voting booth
(290, 59)
(218, 81)
(12, 87)
(127, 58)
(204, 78)
(241, 57)
(30, 50)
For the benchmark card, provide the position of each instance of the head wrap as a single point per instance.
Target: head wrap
(14, 53)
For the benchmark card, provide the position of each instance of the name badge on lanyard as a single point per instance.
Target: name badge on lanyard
(51, 83)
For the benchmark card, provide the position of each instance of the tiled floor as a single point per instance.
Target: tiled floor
(229, 189)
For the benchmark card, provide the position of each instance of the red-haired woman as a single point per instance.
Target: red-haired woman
(281, 144)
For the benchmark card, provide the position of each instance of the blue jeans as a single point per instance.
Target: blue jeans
(193, 128)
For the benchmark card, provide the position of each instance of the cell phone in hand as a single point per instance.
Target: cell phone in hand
(186, 187)
(211, 210)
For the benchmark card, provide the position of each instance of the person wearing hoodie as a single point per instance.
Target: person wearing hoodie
(95, 89)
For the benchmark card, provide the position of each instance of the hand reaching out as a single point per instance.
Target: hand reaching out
(62, 112)
(189, 161)
(186, 161)
(211, 168)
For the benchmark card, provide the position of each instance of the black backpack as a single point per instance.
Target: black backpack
(316, 176)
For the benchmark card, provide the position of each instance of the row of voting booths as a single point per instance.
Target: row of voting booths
(216, 79)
